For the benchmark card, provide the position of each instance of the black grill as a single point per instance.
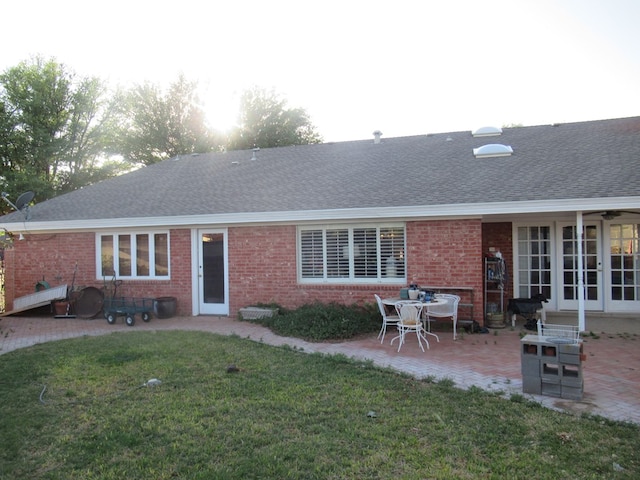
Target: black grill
(527, 307)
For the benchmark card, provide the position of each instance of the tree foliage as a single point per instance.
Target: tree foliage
(157, 126)
(265, 121)
(52, 129)
(60, 132)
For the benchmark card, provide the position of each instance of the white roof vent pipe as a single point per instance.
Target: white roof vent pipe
(376, 136)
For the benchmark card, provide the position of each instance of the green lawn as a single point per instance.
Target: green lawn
(78, 409)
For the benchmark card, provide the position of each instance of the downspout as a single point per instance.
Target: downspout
(581, 273)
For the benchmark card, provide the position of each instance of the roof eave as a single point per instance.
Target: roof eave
(474, 210)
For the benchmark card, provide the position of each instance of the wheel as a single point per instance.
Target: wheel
(146, 317)
(130, 320)
(111, 318)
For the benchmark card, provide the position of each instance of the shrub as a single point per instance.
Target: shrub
(319, 321)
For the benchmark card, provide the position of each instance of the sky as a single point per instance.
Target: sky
(402, 67)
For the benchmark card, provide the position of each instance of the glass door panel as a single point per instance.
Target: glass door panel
(624, 257)
(592, 267)
(213, 284)
(534, 262)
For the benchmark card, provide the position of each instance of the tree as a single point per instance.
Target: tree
(162, 126)
(60, 132)
(52, 129)
(265, 121)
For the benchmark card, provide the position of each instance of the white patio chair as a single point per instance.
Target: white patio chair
(410, 321)
(387, 319)
(446, 309)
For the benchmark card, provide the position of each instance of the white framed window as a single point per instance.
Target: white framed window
(351, 254)
(133, 255)
(534, 261)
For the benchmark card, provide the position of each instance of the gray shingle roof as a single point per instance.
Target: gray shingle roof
(596, 159)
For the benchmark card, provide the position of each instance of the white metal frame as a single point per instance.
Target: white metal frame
(199, 306)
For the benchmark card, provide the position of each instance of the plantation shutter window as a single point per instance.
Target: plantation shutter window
(365, 252)
(337, 253)
(359, 254)
(312, 253)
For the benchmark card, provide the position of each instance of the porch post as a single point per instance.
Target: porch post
(579, 239)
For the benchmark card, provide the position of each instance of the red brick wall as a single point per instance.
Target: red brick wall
(500, 236)
(447, 253)
(9, 280)
(262, 266)
(263, 269)
(54, 256)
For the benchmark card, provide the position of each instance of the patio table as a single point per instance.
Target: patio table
(394, 302)
(424, 306)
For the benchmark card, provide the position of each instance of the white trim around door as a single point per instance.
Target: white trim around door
(210, 271)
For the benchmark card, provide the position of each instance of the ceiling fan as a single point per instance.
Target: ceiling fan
(611, 214)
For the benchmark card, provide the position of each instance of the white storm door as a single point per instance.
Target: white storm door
(568, 266)
(213, 277)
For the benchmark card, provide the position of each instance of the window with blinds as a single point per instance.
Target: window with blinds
(362, 254)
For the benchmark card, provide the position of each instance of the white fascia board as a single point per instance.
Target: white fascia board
(471, 210)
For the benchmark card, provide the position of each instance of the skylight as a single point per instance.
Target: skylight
(487, 132)
(493, 150)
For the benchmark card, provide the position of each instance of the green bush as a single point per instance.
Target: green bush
(320, 321)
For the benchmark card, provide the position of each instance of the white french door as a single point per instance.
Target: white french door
(568, 273)
(624, 264)
(213, 284)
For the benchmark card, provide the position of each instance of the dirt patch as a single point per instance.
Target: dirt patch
(577, 407)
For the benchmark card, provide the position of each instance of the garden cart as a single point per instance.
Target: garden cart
(127, 307)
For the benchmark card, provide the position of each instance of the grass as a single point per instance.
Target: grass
(78, 409)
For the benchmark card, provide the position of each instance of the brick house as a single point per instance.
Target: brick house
(342, 221)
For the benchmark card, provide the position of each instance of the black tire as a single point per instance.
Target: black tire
(130, 320)
(146, 317)
(111, 318)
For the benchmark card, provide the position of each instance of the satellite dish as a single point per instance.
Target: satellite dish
(24, 200)
(22, 204)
